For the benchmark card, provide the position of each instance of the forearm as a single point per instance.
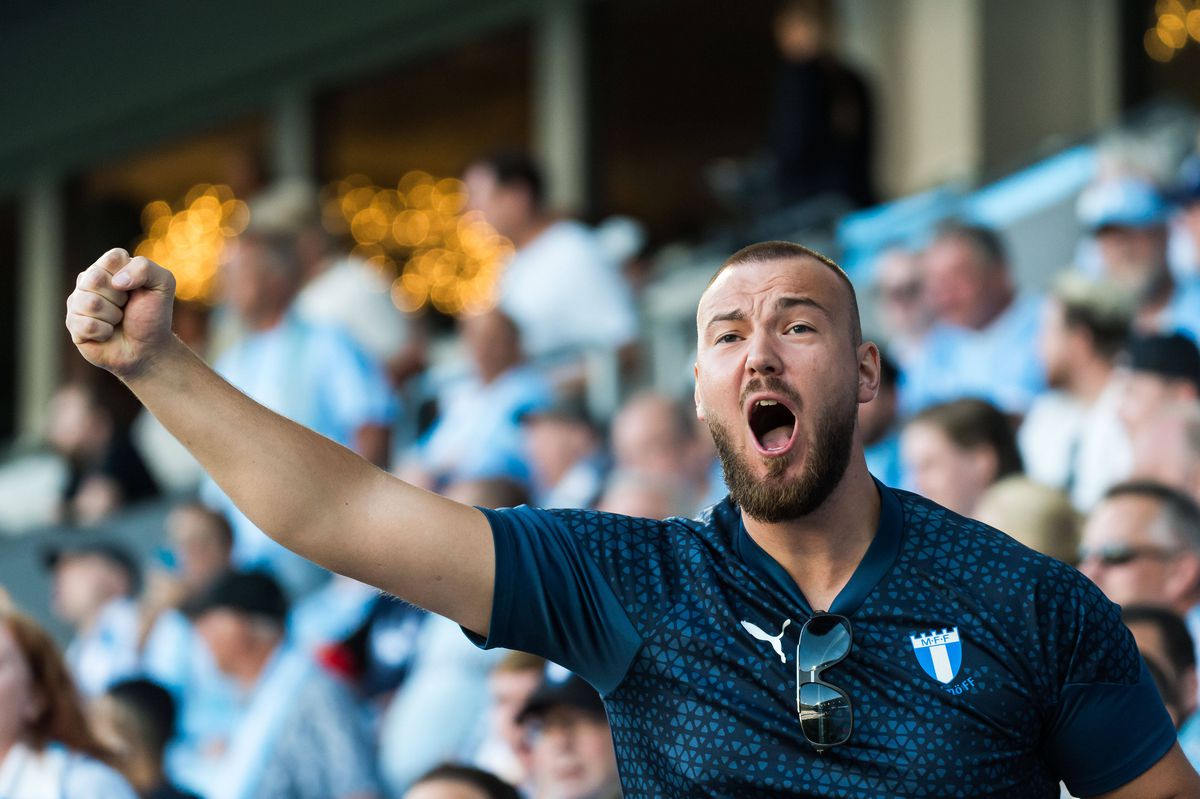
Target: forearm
(284, 477)
(318, 498)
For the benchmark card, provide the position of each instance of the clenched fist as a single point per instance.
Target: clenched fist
(119, 314)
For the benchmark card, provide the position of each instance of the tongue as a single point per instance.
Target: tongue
(776, 438)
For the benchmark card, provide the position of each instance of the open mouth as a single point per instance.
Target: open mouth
(773, 425)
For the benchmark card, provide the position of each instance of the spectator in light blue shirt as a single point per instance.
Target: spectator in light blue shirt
(984, 342)
(311, 373)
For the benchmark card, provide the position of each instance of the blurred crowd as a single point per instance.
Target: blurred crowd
(228, 667)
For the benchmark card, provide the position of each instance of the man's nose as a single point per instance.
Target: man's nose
(763, 358)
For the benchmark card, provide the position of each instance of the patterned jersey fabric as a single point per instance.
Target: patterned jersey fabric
(977, 668)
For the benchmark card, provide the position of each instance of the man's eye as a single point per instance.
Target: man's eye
(800, 328)
(727, 338)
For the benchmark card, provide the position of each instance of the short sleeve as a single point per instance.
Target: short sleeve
(552, 597)
(1109, 725)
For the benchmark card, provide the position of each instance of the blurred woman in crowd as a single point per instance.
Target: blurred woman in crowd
(955, 450)
(46, 747)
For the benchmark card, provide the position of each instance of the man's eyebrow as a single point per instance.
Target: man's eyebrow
(787, 303)
(727, 316)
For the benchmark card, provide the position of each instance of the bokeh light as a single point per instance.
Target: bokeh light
(1175, 21)
(420, 237)
(190, 240)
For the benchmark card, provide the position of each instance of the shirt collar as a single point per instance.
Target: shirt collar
(879, 557)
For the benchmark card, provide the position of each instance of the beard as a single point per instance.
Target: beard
(775, 498)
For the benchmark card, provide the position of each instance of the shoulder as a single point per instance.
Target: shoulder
(970, 552)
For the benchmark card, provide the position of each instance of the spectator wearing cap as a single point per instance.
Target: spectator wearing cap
(505, 750)
(1159, 371)
(1164, 641)
(477, 433)
(47, 750)
(1141, 545)
(1167, 448)
(312, 373)
(136, 720)
(94, 583)
(1072, 438)
(565, 452)
(299, 734)
(1128, 220)
(452, 781)
(571, 747)
(984, 341)
(561, 288)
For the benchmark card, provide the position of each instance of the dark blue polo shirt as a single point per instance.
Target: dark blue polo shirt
(978, 667)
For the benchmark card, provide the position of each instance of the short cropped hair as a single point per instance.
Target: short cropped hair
(767, 251)
(970, 423)
(1180, 513)
(150, 709)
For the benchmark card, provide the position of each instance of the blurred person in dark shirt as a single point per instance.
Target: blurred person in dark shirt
(136, 720)
(105, 470)
(823, 116)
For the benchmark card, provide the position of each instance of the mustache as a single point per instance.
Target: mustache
(774, 385)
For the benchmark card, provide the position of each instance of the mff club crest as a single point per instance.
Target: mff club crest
(939, 653)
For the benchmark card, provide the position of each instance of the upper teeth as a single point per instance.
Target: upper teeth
(768, 402)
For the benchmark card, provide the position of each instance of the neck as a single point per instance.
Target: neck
(1089, 379)
(7, 742)
(88, 622)
(144, 774)
(820, 551)
(1004, 298)
(267, 320)
(530, 230)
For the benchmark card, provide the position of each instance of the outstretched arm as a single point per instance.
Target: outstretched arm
(308, 493)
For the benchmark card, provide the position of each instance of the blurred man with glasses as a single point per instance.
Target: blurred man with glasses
(1141, 545)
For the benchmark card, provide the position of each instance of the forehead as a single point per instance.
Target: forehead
(753, 288)
(1125, 518)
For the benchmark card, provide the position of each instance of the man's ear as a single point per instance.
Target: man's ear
(696, 392)
(868, 371)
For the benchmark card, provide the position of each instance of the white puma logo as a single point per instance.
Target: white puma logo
(776, 641)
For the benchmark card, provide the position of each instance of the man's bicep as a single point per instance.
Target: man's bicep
(1172, 777)
(424, 548)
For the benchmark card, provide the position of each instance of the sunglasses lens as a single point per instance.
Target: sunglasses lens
(824, 641)
(825, 714)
